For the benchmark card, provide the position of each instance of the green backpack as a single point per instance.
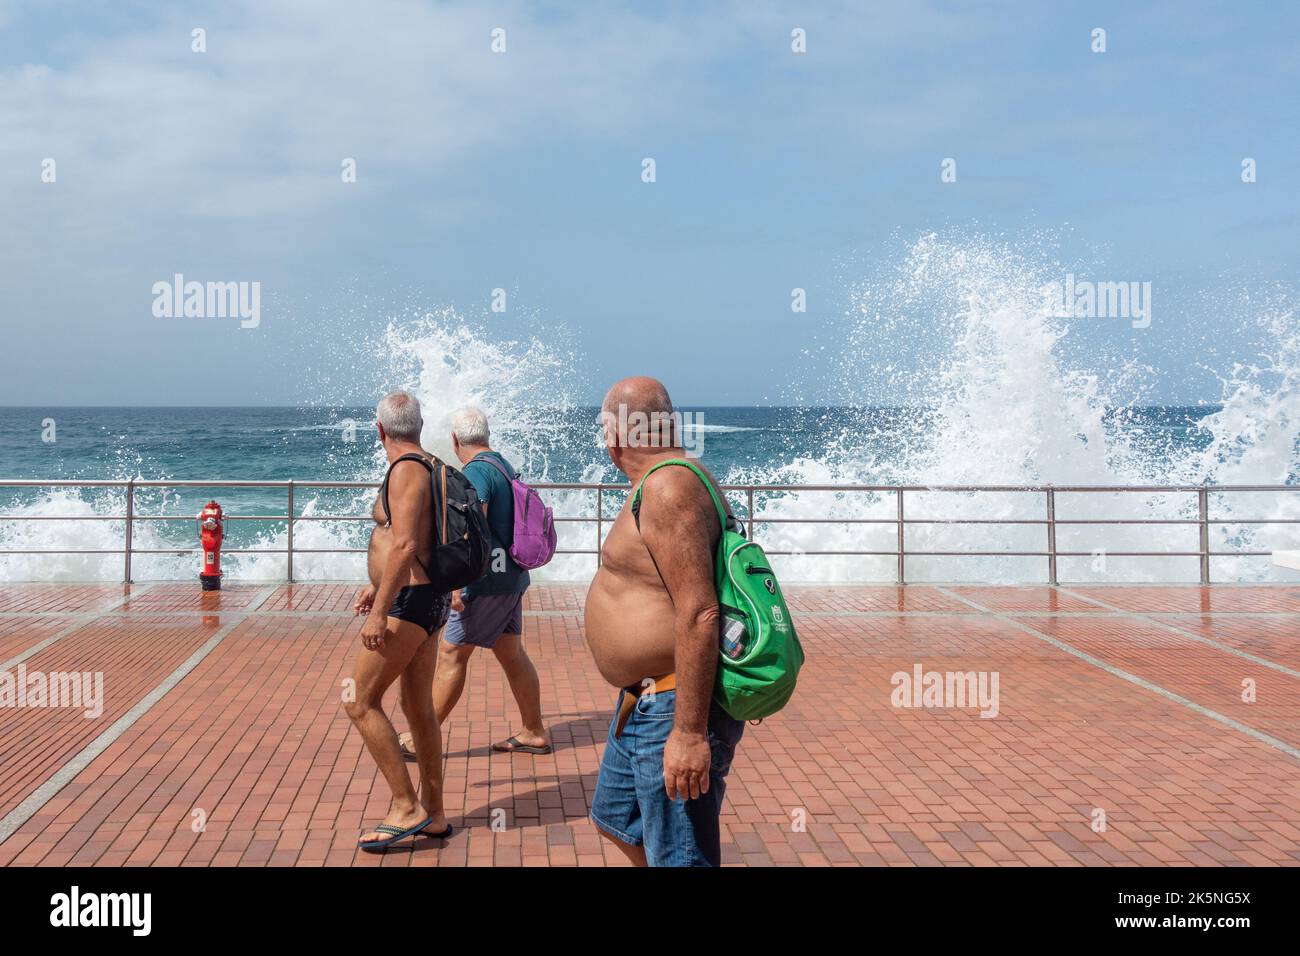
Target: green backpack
(759, 653)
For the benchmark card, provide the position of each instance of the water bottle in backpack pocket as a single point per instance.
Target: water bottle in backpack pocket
(760, 679)
(734, 638)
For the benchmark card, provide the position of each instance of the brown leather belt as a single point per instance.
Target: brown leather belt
(661, 685)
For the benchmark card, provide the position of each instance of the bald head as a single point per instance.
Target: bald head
(639, 393)
(638, 414)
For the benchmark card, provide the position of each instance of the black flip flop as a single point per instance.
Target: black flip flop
(394, 835)
(512, 746)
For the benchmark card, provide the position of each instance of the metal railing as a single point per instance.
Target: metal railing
(1050, 521)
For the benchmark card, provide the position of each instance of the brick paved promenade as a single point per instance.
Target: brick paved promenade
(1121, 699)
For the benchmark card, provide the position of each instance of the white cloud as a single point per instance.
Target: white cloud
(259, 124)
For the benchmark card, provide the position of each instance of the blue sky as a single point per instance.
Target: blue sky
(522, 171)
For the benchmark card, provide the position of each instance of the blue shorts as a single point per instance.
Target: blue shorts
(485, 618)
(631, 803)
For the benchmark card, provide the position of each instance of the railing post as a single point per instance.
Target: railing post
(289, 553)
(1203, 513)
(750, 506)
(1051, 537)
(902, 541)
(600, 520)
(130, 520)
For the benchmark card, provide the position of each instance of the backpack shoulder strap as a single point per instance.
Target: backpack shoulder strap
(440, 498)
(383, 490)
(485, 457)
(723, 517)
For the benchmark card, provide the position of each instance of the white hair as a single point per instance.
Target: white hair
(470, 426)
(399, 413)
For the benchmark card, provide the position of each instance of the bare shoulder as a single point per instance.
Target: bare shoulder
(674, 492)
(409, 477)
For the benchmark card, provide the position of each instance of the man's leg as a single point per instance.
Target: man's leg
(679, 832)
(448, 682)
(417, 704)
(636, 854)
(373, 673)
(615, 809)
(524, 684)
(449, 679)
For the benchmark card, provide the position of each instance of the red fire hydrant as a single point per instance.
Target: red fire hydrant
(211, 531)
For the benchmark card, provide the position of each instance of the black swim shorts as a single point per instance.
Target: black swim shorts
(422, 604)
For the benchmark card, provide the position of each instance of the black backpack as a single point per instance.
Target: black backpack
(462, 543)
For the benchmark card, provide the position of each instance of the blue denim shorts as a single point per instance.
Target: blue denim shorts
(631, 803)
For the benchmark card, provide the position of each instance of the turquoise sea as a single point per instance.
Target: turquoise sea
(742, 444)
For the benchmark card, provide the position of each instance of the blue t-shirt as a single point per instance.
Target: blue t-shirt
(504, 575)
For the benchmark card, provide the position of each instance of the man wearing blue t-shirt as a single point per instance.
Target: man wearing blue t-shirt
(490, 612)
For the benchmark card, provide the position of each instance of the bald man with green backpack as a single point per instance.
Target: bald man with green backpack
(685, 616)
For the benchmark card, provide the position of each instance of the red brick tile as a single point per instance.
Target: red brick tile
(256, 738)
(1195, 599)
(18, 634)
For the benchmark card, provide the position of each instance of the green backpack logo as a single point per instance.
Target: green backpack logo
(759, 654)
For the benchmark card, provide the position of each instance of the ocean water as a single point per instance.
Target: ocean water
(992, 393)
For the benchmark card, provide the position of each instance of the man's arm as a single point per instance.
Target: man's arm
(679, 525)
(407, 495)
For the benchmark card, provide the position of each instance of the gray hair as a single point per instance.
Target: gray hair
(470, 426)
(399, 413)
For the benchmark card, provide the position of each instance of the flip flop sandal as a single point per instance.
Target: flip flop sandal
(513, 746)
(395, 835)
(407, 752)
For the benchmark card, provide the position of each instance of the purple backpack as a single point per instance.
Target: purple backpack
(534, 532)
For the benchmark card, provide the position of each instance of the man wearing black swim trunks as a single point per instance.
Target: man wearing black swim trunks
(404, 615)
